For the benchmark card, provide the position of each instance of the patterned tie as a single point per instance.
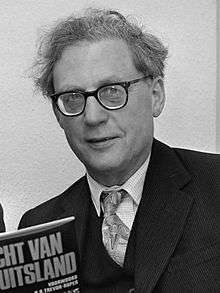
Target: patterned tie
(115, 233)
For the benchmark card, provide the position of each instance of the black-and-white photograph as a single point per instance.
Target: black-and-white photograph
(110, 146)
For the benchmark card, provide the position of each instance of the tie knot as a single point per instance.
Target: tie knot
(111, 200)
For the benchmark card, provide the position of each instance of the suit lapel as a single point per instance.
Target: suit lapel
(76, 203)
(161, 216)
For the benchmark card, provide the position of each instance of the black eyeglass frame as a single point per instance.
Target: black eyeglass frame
(124, 84)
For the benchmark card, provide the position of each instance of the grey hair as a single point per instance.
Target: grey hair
(149, 54)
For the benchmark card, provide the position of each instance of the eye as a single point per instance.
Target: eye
(113, 91)
(112, 96)
(71, 101)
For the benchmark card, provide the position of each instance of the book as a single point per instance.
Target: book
(40, 259)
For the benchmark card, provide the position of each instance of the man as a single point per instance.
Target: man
(146, 214)
(2, 223)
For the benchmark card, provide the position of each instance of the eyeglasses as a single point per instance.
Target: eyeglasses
(112, 97)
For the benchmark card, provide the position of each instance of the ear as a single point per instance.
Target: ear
(158, 96)
(57, 114)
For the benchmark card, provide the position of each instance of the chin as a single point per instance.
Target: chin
(107, 166)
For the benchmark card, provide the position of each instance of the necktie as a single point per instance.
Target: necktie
(115, 233)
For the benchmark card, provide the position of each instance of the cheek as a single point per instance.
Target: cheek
(73, 131)
(140, 103)
(140, 114)
(140, 126)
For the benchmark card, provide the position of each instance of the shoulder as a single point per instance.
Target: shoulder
(70, 192)
(200, 165)
(201, 171)
(51, 209)
(195, 164)
(200, 158)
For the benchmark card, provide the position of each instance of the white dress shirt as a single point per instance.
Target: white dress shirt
(134, 186)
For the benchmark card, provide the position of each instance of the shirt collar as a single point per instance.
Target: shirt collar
(134, 186)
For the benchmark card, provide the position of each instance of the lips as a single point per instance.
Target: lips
(101, 139)
(98, 142)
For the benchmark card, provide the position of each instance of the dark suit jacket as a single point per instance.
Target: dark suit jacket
(177, 244)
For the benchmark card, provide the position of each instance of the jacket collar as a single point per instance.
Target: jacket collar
(76, 202)
(161, 215)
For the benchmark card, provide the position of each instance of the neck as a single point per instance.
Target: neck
(114, 177)
(110, 180)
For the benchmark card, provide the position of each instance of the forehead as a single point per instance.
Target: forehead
(86, 63)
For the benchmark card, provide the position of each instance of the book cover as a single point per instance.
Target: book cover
(40, 259)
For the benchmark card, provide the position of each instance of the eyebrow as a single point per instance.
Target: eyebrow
(102, 82)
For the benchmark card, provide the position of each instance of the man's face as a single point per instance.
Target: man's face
(111, 144)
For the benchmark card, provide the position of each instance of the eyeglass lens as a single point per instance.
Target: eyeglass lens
(111, 97)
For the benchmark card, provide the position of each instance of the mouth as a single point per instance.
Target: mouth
(98, 142)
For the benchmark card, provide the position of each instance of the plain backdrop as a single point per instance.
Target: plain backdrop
(35, 160)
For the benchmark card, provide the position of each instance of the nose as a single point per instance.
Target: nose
(94, 113)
